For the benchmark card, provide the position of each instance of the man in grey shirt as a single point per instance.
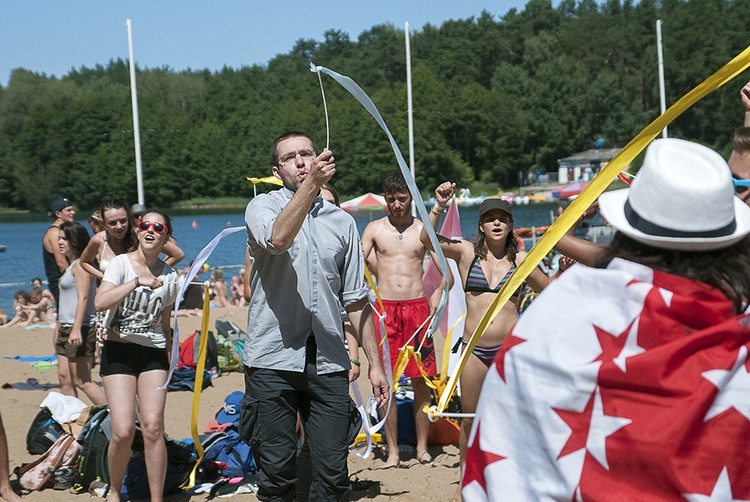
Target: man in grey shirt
(307, 260)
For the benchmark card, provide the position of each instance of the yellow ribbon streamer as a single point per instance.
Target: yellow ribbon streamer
(374, 288)
(197, 390)
(602, 180)
(379, 301)
(404, 354)
(268, 179)
(447, 355)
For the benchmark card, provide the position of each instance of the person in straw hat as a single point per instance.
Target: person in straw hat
(628, 380)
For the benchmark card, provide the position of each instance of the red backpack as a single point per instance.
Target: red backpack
(189, 348)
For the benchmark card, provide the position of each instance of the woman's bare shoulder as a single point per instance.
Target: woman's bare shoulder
(98, 239)
(462, 250)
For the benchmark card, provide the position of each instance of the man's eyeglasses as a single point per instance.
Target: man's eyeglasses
(158, 228)
(291, 156)
(740, 185)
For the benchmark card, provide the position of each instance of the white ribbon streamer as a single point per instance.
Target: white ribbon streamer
(372, 429)
(361, 96)
(197, 265)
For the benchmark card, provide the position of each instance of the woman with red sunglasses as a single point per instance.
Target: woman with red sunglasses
(139, 291)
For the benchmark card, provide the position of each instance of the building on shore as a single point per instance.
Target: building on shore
(584, 165)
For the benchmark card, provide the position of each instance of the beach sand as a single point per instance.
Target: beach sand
(410, 482)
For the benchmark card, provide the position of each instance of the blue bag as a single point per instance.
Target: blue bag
(229, 448)
(184, 379)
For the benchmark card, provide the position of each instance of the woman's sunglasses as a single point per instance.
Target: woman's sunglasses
(158, 228)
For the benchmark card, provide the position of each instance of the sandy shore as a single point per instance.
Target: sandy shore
(411, 482)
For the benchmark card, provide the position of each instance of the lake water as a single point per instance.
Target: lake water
(22, 259)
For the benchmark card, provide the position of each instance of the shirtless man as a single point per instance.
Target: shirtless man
(399, 256)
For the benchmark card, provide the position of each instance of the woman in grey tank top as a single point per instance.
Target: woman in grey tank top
(76, 337)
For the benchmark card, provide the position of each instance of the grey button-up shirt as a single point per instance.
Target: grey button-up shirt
(297, 291)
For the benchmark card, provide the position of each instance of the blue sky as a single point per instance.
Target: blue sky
(53, 36)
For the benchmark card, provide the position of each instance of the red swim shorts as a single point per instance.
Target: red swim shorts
(403, 318)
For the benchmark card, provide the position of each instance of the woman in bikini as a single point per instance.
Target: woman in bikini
(484, 268)
(117, 238)
(218, 289)
(138, 291)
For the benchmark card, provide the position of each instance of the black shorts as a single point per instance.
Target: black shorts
(131, 359)
(64, 348)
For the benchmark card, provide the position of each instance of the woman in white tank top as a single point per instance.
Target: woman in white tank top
(138, 291)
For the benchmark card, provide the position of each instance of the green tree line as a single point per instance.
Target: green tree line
(493, 96)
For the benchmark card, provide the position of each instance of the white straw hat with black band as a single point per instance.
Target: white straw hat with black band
(682, 199)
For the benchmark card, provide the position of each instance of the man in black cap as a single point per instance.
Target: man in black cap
(54, 262)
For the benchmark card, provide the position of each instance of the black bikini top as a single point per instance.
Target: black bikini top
(477, 281)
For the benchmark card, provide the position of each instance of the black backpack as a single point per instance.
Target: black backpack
(181, 458)
(43, 432)
(94, 439)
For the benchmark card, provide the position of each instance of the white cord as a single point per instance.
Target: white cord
(325, 108)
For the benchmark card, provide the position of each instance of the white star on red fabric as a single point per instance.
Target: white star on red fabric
(722, 491)
(590, 429)
(733, 385)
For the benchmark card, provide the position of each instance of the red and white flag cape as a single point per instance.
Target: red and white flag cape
(451, 228)
(456, 307)
(617, 384)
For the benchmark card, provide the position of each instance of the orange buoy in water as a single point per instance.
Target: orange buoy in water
(195, 224)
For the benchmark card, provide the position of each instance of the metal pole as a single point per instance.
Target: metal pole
(136, 125)
(409, 111)
(660, 55)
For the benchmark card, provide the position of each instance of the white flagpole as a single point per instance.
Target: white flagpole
(660, 57)
(409, 111)
(136, 125)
